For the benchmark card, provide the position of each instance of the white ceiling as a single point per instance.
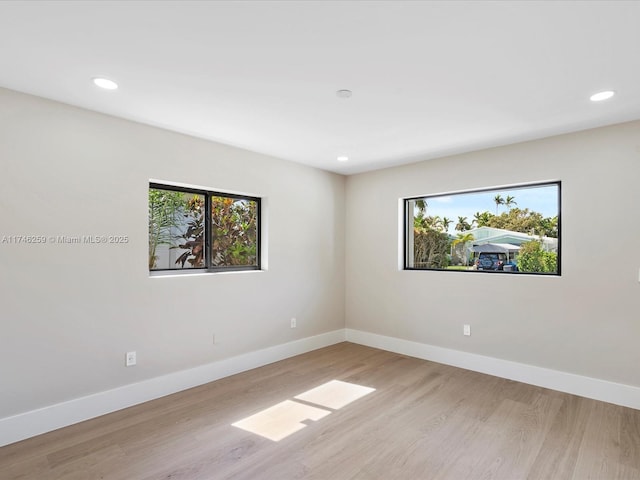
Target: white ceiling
(428, 78)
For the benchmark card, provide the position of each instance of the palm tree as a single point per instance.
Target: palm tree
(510, 202)
(423, 223)
(462, 224)
(445, 222)
(481, 219)
(419, 221)
(463, 239)
(499, 201)
(421, 205)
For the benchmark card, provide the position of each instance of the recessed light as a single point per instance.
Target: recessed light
(343, 158)
(105, 83)
(598, 97)
(344, 93)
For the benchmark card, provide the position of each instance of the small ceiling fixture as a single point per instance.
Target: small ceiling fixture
(343, 158)
(344, 93)
(105, 83)
(598, 97)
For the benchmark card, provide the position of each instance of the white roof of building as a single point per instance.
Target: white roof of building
(507, 239)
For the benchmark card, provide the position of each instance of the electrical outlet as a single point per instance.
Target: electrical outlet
(466, 330)
(294, 323)
(130, 359)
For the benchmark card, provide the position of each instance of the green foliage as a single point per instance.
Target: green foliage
(177, 219)
(430, 248)
(234, 231)
(532, 258)
(431, 223)
(165, 217)
(523, 221)
(193, 236)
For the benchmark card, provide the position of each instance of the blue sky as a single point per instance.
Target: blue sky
(542, 199)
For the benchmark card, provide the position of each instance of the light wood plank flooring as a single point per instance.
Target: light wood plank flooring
(424, 421)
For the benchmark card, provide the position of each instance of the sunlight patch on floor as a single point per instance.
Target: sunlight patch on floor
(281, 420)
(285, 418)
(335, 394)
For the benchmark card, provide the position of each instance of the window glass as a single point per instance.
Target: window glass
(182, 220)
(506, 230)
(175, 230)
(234, 231)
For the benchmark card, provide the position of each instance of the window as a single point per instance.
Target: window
(196, 230)
(502, 230)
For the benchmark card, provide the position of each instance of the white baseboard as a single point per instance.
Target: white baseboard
(616, 393)
(36, 422)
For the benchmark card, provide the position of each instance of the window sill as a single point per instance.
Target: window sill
(170, 274)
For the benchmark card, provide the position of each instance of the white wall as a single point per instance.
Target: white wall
(585, 322)
(68, 313)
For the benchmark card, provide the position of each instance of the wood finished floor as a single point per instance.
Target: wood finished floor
(424, 421)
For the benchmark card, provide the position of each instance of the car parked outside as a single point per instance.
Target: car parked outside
(491, 261)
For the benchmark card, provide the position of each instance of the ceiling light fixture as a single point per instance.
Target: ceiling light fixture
(105, 83)
(344, 93)
(600, 96)
(343, 158)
